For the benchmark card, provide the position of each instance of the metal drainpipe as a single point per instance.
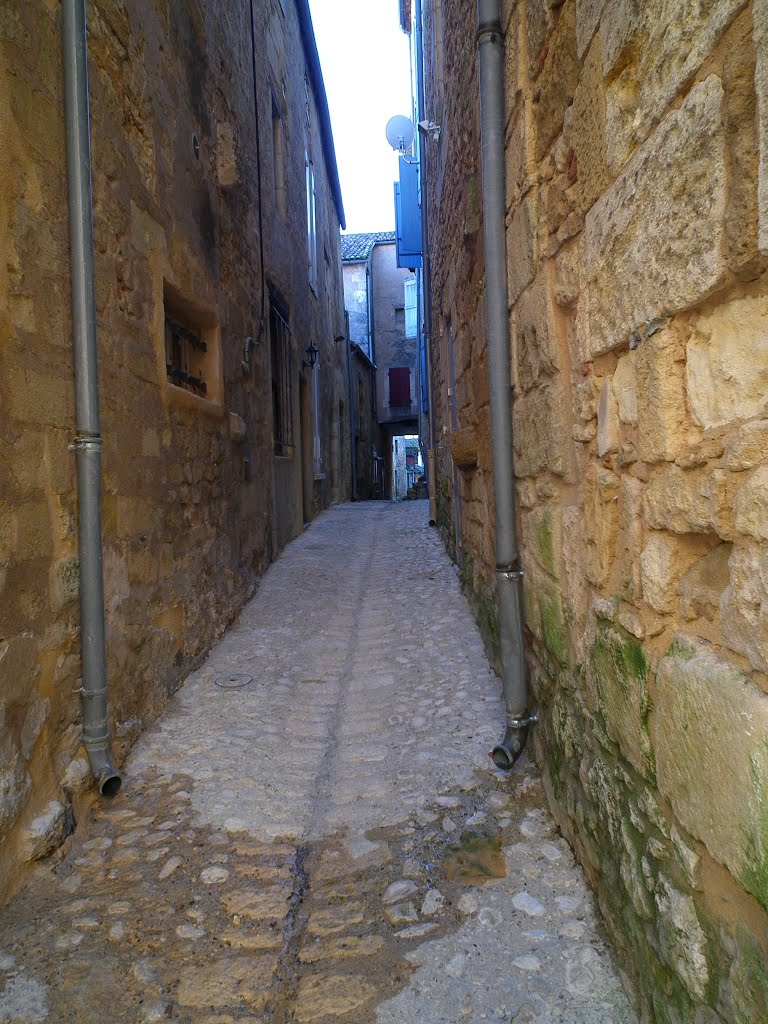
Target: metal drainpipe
(87, 443)
(351, 399)
(425, 272)
(509, 576)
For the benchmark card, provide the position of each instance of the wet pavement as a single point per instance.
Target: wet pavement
(314, 831)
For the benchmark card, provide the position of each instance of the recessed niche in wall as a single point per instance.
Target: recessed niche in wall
(192, 347)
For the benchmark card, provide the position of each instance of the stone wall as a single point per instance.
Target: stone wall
(356, 301)
(188, 495)
(636, 248)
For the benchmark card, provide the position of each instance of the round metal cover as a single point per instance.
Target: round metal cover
(232, 680)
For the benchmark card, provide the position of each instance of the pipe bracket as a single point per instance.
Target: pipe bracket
(86, 442)
(523, 721)
(511, 574)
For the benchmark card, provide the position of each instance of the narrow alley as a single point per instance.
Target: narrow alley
(313, 831)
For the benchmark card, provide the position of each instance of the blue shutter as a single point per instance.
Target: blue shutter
(408, 216)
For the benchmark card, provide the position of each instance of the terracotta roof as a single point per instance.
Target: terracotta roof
(358, 247)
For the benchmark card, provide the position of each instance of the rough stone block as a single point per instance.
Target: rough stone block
(711, 740)
(689, 501)
(558, 82)
(542, 431)
(521, 249)
(64, 582)
(35, 397)
(751, 506)
(727, 366)
(620, 671)
(589, 130)
(702, 586)
(624, 383)
(538, 24)
(601, 516)
(760, 15)
(661, 408)
(18, 668)
(15, 785)
(48, 831)
(682, 939)
(631, 492)
(660, 226)
(667, 41)
(566, 290)
(517, 160)
(608, 426)
(587, 17)
(619, 28)
(744, 605)
(574, 581)
(543, 534)
(660, 571)
(536, 334)
(748, 447)
(33, 724)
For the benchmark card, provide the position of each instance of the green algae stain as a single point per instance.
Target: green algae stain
(680, 649)
(754, 875)
(545, 544)
(553, 628)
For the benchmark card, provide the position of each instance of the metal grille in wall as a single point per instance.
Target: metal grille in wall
(282, 382)
(184, 349)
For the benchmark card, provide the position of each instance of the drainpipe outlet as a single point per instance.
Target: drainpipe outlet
(505, 754)
(104, 773)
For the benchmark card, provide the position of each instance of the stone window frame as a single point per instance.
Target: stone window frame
(191, 349)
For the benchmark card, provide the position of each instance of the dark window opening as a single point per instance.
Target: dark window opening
(184, 355)
(282, 382)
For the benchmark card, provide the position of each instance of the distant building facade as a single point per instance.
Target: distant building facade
(380, 299)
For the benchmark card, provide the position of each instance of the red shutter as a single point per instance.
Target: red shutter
(399, 386)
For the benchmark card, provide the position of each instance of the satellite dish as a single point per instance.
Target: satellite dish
(400, 132)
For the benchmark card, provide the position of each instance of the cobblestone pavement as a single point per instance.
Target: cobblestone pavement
(314, 831)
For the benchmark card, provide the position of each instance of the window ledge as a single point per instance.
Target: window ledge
(207, 406)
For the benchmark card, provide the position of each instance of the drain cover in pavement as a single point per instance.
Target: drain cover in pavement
(232, 680)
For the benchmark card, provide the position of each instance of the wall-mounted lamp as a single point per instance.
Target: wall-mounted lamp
(312, 352)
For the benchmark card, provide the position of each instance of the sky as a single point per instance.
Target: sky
(365, 61)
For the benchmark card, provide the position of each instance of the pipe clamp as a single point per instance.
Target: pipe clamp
(511, 574)
(86, 442)
(523, 721)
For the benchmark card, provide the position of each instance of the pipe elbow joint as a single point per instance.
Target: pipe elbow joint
(506, 753)
(108, 781)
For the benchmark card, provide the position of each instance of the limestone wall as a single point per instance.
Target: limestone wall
(188, 496)
(636, 254)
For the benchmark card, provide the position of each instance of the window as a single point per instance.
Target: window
(399, 387)
(191, 344)
(311, 225)
(282, 381)
(184, 349)
(278, 159)
(317, 447)
(411, 327)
